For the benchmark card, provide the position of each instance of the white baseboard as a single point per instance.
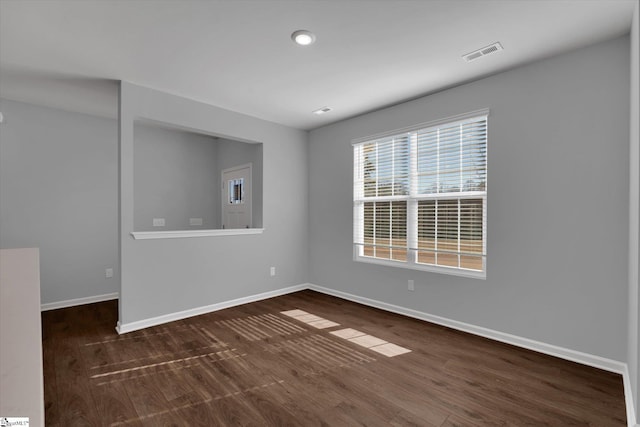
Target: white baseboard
(78, 301)
(552, 350)
(123, 328)
(563, 353)
(632, 421)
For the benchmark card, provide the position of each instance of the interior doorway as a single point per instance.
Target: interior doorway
(236, 197)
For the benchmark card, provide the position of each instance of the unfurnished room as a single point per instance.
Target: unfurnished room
(319, 213)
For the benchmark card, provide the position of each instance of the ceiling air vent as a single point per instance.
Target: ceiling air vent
(487, 50)
(322, 110)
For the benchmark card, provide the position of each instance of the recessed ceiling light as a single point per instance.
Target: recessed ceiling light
(322, 110)
(303, 37)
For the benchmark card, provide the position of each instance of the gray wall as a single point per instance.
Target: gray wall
(166, 276)
(634, 214)
(58, 192)
(557, 204)
(231, 154)
(175, 178)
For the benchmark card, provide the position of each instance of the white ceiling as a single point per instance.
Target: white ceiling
(238, 54)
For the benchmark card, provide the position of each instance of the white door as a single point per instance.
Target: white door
(236, 197)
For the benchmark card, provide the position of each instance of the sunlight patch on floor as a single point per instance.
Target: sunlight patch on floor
(310, 319)
(360, 338)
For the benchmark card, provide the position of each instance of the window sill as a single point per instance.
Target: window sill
(451, 271)
(178, 234)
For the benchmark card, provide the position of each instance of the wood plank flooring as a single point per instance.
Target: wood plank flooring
(254, 366)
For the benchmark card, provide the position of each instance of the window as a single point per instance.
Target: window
(236, 191)
(420, 197)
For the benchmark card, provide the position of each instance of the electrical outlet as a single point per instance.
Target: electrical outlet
(158, 222)
(273, 271)
(195, 221)
(410, 285)
(108, 273)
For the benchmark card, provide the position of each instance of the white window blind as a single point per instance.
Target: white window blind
(420, 197)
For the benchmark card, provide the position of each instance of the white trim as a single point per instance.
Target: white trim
(78, 301)
(153, 321)
(419, 197)
(175, 234)
(413, 197)
(443, 269)
(552, 350)
(628, 399)
(453, 120)
(605, 364)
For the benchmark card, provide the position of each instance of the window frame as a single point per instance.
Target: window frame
(413, 198)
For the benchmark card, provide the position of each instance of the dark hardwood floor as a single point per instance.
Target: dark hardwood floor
(252, 365)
